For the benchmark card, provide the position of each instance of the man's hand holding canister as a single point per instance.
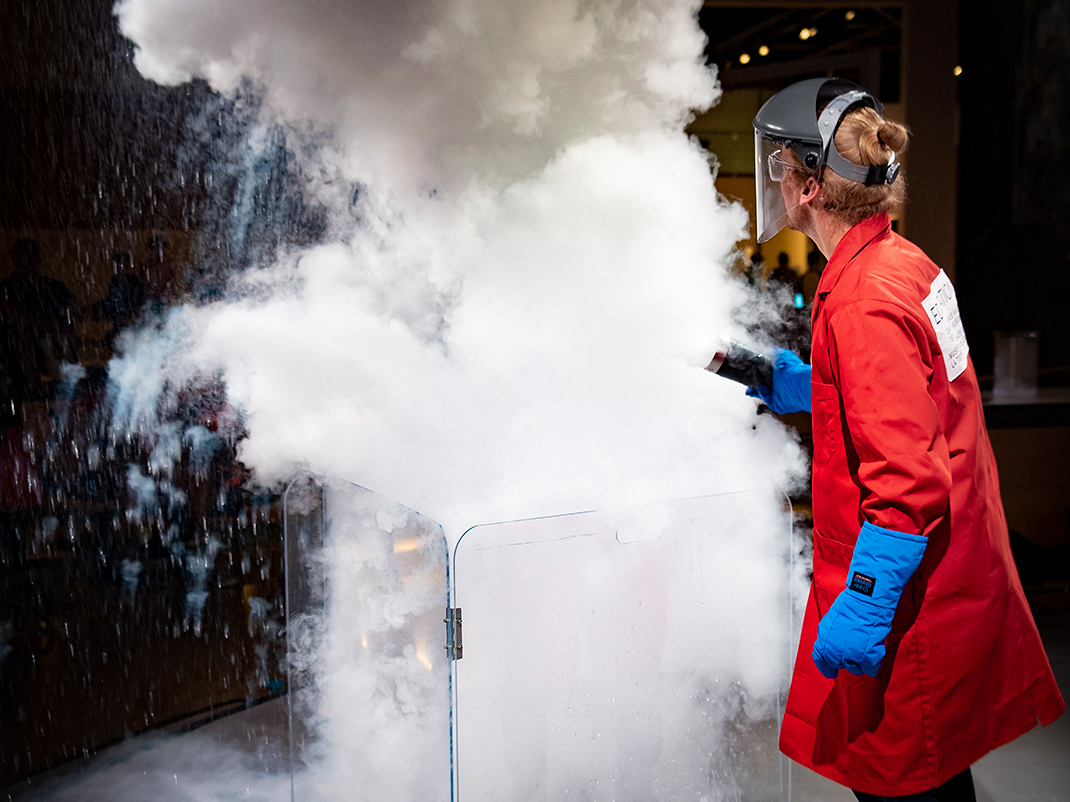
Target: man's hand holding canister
(791, 385)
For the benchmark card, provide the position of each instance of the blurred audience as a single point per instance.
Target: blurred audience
(37, 331)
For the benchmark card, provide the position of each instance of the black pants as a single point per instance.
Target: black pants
(958, 789)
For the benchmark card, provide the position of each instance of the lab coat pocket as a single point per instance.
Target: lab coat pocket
(831, 560)
(828, 432)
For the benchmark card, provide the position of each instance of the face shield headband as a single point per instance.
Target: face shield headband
(829, 122)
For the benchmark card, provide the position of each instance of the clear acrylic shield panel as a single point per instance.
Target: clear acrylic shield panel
(367, 595)
(638, 655)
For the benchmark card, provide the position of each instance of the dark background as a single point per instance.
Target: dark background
(94, 160)
(1014, 162)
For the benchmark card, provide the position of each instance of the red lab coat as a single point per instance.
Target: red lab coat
(900, 444)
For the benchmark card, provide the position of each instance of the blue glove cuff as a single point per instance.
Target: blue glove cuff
(883, 562)
(791, 384)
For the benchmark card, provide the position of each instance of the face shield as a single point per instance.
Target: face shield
(771, 165)
(790, 118)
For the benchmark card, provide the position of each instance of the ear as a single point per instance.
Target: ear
(810, 190)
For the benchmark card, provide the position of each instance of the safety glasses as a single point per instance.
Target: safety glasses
(778, 168)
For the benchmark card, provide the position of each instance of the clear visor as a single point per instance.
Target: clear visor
(770, 167)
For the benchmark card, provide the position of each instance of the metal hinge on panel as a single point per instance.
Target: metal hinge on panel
(454, 642)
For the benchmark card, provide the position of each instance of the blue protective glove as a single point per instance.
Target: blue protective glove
(851, 634)
(791, 384)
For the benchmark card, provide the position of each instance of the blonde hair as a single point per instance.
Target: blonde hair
(864, 137)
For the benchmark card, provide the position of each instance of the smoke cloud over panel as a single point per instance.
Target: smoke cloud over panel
(509, 318)
(523, 274)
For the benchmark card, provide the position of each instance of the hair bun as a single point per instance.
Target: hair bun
(865, 137)
(871, 137)
(893, 135)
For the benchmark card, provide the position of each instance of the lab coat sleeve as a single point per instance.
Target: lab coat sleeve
(882, 358)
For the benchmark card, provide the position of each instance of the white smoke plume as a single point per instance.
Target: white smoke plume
(428, 93)
(513, 319)
(526, 339)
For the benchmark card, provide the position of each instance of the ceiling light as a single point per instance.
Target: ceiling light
(957, 71)
(804, 34)
(744, 58)
(763, 51)
(850, 15)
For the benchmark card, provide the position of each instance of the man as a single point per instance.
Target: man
(918, 652)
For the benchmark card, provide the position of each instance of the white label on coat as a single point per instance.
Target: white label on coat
(943, 310)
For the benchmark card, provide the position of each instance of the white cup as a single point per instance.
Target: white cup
(1017, 359)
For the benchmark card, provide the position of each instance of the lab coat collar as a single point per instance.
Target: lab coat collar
(853, 243)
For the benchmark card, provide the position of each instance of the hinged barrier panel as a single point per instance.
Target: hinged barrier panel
(454, 637)
(633, 656)
(637, 655)
(367, 587)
